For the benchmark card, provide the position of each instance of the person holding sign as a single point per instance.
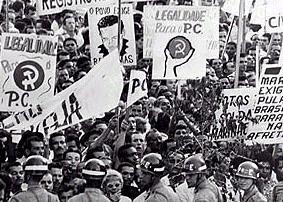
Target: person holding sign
(107, 27)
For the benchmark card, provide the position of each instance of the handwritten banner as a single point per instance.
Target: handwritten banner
(97, 92)
(238, 105)
(27, 73)
(162, 19)
(268, 108)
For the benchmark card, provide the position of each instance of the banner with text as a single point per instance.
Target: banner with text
(234, 115)
(47, 7)
(268, 108)
(203, 20)
(104, 33)
(97, 92)
(27, 73)
(137, 86)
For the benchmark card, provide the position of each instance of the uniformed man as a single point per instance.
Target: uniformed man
(93, 172)
(247, 175)
(195, 173)
(35, 168)
(152, 167)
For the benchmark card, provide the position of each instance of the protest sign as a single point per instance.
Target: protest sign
(47, 7)
(104, 33)
(237, 106)
(159, 19)
(268, 107)
(274, 22)
(137, 86)
(27, 73)
(97, 92)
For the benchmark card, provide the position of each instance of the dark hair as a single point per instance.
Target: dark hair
(67, 17)
(55, 165)
(124, 164)
(29, 8)
(122, 151)
(69, 39)
(73, 137)
(72, 150)
(32, 139)
(57, 134)
(12, 164)
(267, 35)
(17, 6)
(90, 151)
(108, 21)
(232, 43)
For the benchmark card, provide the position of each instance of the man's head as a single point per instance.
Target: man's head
(35, 168)
(56, 170)
(152, 167)
(47, 182)
(70, 45)
(30, 12)
(174, 161)
(247, 174)
(73, 157)
(128, 172)
(16, 173)
(34, 146)
(195, 169)
(264, 41)
(243, 63)
(69, 24)
(128, 153)
(231, 49)
(225, 82)
(93, 172)
(153, 140)
(277, 39)
(138, 140)
(57, 143)
(136, 109)
(108, 27)
(72, 142)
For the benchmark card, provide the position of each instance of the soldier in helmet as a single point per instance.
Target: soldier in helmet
(247, 175)
(35, 168)
(152, 167)
(195, 173)
(93, 172)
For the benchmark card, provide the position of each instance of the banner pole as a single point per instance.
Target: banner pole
(119, 26)
(117, 110)
(7, 16)
(239, 41)
(227, 37)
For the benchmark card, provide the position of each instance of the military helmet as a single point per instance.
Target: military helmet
(248, 169)
(194, 165)
(36, 164)
(153, 163)
(94, 169)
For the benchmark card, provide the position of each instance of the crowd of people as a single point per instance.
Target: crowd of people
(159, 148)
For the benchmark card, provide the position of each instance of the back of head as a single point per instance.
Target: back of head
(93, 172)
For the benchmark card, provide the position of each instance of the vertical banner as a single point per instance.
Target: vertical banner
(137, 86)
(268, 108)
(104, 32)
(27, 73)
(156, 17)
(234, 115)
